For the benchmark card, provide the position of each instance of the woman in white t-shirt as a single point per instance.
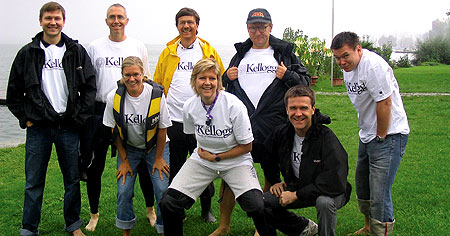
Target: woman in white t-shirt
(138, 113)
(221, 126)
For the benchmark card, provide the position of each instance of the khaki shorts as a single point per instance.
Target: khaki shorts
(193, 178)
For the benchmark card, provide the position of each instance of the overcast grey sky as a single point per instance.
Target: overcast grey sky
(223, 22)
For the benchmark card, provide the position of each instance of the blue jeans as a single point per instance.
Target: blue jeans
(126, 219)
(38, 150)
(375, 173)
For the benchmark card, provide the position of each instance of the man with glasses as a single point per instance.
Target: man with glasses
(173, 71)
(107, 54)
(259, 74)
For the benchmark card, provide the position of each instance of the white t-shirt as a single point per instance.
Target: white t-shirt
(297, 154)
(135, 113)
(54, 82)
(370, 82)
(180, 88)
(257, 70)
(107, 57)
(230, 127)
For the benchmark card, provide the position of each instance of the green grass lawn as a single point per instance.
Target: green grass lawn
(420, 192)
(419, 79)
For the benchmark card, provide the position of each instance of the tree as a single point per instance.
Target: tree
(436, 45)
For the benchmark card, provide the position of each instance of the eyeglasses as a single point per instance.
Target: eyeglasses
(261, 28)
(135, 75)
(189, 22)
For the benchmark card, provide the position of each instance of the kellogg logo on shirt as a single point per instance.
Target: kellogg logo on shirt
(355, 88)
(212, 131)
(260, 68)
(108, 62)
(133, 119)
(55, 64)
(185, 66)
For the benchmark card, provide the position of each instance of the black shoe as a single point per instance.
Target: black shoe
(208, 216)
(83, 176)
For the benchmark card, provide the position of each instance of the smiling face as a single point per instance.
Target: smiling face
(116, 20)
(187, 27)
(206, 86)
(133, 80)
(259, 34)
(52, 23)
(347, 57)
(300, 112)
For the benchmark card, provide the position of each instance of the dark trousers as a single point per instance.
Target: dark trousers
(95, 139)
(39, 143)
(289, 223)
(174, 203)
(180, 146)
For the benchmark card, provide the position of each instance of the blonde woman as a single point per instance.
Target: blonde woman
(221, 126)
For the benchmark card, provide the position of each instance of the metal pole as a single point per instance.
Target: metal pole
(332, 36)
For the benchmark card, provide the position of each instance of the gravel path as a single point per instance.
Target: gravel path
(403, 94)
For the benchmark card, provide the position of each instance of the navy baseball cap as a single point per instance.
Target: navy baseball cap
(259, 15)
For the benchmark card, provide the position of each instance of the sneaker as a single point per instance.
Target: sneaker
(310, 229)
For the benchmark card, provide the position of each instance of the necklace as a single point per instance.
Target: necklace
(208, 110)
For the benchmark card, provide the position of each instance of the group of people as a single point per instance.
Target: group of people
(259, 110)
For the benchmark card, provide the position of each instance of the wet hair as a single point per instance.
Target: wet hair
(117, 5)
(300, 91)
(131, 61)
(205, 65)
(52, 6)
(185, 11)
(349, 38)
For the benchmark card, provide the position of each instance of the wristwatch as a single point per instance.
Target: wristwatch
(380, 139)
(217, 158)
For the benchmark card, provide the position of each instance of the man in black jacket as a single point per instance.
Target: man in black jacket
(313, 164)
(262, 70)
(51, 91)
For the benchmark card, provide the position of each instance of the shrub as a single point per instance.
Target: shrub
(403, 62)
(311, 51)
(429, 63)
(433, 49)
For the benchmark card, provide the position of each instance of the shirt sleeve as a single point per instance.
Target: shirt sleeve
(108, 115)
(379, 83)
(242, 128)
(188, 122)
(145, 61)
(164, 117)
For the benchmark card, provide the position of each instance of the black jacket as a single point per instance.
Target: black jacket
(271, 111)
(25, 98)
(323, 166)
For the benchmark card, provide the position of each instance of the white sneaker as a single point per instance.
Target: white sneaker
(310, 229)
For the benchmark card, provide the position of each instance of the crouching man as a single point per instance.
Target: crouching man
(314, 166)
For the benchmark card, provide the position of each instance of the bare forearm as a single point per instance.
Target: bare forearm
(239, 150)
(120, 149)
(160, 142)
(383, 116)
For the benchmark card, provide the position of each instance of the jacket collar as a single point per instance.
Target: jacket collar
(35, 41)
(173, 44)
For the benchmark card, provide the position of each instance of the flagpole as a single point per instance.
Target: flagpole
(332, 36)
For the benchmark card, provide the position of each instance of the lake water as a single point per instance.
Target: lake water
(10, 132)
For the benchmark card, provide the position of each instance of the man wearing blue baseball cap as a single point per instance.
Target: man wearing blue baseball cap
(262, 70)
